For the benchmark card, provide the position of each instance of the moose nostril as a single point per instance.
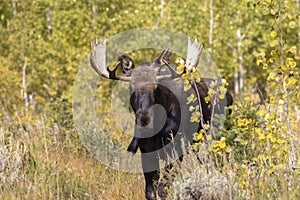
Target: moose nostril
(143, 117)
(145, 121)
(142, 112)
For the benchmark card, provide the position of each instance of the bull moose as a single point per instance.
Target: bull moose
(159, 102)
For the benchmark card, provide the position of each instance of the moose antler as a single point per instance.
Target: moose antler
(193, 54)
(165, 58)
(98, 61)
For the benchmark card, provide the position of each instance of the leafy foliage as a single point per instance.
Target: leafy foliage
(255, 44)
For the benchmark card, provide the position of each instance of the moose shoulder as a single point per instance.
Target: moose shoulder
(160, 106)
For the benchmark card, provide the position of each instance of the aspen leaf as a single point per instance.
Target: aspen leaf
(222, 144)
(259, 61)
(273, 43)
(191, 98)
(293, 49)
(272, 12)
(270, 60)
(283, 67)
(223, 81)
(292, 24)
(187, 87)
(261, 136)
(261, 112)
(180, 68)
(280, 141)
(179, 61)
(273, 138)
(191, 108)
(227, 150)
(222, 96)
(208, 137)
(273, 34)
(292, 81)
(285, 147)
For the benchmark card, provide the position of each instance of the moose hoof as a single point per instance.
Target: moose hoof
(161, 191)
(150, 195)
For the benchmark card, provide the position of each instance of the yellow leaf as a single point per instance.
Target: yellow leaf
(198, 136)
(180, 68)
(190, 98)
(262, 54)
(185, 76)
(292, 81)
(291, 63)
(222, 96)
(187, 87)
(270, 60)
(272, 99)
(179, 61)
(208, 137)
(227, 150)
(273, 12)
(240, 122)
(191, 108)
(273, 34)
(273, 138)
(259, 61)
(278, 152)
(293, 49)
(261, 112)
(222, 144)
(292, 24)
(206, 126)
(223, 81)
(261, 136)
(283, 67)
(212, 84)
(280, 141)
(258, 130)
(195, 117)
(244, 142)
(271, 171)
(285, 147)
(273, 43)
(207, 99)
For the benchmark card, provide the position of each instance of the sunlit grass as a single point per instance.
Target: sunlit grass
(42, 161)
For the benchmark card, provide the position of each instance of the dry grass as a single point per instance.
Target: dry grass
(219, 180)
(42, 161)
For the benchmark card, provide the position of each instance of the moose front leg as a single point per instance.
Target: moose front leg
(150, 164)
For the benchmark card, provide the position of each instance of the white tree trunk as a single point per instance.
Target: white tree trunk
(162, 5)
(292, 156)
(48, 17)
(211, 25)
(14, 5)
(94, 11)
(240, 61)
(24, 85)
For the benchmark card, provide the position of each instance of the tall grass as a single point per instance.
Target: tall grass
(211, 178)
(42, 159)
(39, 160)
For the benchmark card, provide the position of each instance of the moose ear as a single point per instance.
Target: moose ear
(126, 63)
